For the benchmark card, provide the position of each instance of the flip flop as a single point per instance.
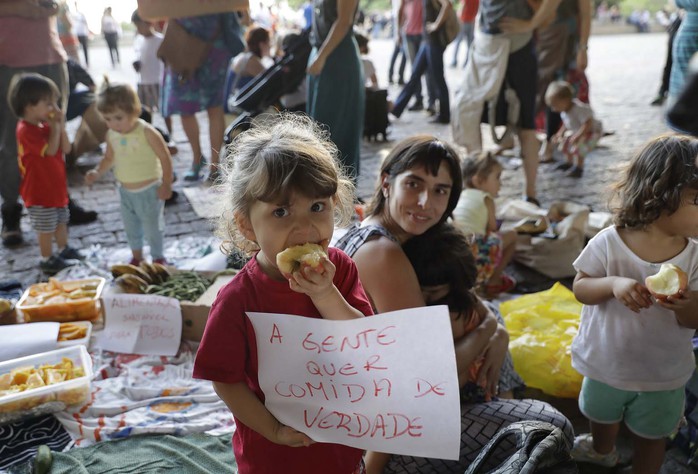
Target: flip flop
(507, 284)
(532, 200)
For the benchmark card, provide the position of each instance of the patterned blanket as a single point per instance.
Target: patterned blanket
(19, 441)
(134, 394)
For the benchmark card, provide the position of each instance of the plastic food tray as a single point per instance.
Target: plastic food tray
(85, 341)
(48, 398)
(83, 309)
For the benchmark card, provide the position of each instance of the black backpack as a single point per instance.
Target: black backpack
(540, 448)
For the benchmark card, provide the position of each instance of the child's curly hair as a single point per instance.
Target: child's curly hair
(288, 153)
(654, 181)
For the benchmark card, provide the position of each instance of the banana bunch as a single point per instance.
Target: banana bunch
(5, 305)
(136, 279)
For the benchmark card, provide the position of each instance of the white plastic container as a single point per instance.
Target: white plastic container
(35, 309)
(48, 398)
(85, 341)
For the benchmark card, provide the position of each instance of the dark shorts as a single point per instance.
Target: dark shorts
(78, 102)
(522, 76)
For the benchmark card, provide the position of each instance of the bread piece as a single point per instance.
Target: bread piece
(290, 260)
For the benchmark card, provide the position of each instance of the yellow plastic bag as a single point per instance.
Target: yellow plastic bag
(541, 328)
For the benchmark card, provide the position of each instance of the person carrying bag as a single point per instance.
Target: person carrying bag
(184, 53)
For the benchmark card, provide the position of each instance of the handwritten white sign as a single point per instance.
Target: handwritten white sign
(386, 383)
(141, 324)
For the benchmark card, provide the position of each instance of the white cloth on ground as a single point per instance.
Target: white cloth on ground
(133, 394)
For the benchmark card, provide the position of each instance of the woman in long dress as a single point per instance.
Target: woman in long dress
(336, 78)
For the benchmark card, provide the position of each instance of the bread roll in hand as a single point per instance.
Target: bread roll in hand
(291, 259)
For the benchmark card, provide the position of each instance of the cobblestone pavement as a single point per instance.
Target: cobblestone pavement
(624, 74)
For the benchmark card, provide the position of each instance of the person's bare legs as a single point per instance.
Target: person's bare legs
(508, 143)
(580, 160)
(648, 455)
(91, 133)
(567, 150)
(604, 436)
(45, 244)
(216, 128)
(168, 125)
(545, 155)
(508, 249)
(95, 122)
(61, 236)
(529, 153)
(191, 130)
(84, 141)
(137, 254)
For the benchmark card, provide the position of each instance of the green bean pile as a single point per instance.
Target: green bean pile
(185, 286)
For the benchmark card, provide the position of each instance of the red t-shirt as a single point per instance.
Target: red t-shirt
(413, 17)
(43, 176)
(228, 354)
(468, 11)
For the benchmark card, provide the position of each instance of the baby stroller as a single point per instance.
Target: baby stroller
(266, 90)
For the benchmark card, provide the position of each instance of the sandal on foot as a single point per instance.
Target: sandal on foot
(193, 173)
(214, 176)
(532, 200)
(506, 285)
(547, 153)
(575, 172)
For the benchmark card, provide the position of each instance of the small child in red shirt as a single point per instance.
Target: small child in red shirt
(41, 144)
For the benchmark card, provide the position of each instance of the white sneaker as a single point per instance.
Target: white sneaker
(583, 451)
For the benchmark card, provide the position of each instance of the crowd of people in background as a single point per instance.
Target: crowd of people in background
(531, 59)
(531, 51)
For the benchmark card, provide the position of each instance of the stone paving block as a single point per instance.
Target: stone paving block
(202, 226)
(188, 216)
(102, 238)
(113, 226)
(171, 218)
(25, 261)
(80, 231)
(183, 228)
